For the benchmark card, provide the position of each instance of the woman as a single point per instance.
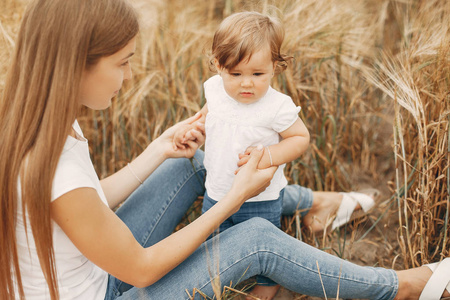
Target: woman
(60, 238)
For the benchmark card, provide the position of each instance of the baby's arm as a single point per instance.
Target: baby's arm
(184, 133)
(295, 142)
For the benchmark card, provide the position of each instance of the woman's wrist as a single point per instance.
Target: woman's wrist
(234, 198)
(155, 151)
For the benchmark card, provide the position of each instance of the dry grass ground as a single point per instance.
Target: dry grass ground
(373, 80)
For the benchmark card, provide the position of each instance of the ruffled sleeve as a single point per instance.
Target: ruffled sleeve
(286, 116)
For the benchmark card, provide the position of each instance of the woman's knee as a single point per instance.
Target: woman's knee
(254, 228)
(259, 227)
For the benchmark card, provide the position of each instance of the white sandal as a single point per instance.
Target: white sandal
(345, 212)
(438, 282)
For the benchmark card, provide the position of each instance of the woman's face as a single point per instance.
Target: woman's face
(101, 82)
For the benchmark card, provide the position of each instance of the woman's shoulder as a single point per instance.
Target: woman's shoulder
(74, 169)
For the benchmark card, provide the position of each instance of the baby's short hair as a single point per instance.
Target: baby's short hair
(242, 34)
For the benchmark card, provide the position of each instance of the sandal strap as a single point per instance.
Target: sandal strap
(438, 282)
(348, 205)
(344, 211)
(364, 200)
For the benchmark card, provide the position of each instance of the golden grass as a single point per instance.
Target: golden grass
(360, 67)
(417, 81)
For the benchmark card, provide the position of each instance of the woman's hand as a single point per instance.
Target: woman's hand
(121, 184)
(198, 133)
(264, 162)
(250, 180)
(244, 157)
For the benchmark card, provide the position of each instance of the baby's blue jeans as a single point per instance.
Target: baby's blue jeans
(254, 247)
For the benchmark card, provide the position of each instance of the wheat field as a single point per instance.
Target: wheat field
(372, 78)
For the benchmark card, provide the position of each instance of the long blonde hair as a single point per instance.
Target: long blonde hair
(57, 40)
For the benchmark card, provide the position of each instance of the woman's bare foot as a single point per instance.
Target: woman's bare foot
(411, 283)
(324, 208)
(263, 292)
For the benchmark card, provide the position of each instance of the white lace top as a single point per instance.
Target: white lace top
(232, 126)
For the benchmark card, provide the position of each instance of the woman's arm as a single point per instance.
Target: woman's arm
(106, 241)
(295, 142)
(118, 186)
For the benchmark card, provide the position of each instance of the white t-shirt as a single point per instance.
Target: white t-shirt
(78, 278)
(231, 127)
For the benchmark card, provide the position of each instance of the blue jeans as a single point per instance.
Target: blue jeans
(253, 247)
(269, 210)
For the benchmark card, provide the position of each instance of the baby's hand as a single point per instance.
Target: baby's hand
(188, 132)
(189, 135)
(244, 158)
(251, 181)
(179, 137)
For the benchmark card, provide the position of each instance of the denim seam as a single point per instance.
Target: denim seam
(334, 276)
(395, 290)
(231, 265)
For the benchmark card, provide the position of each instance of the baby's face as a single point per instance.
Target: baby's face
(250, 79)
